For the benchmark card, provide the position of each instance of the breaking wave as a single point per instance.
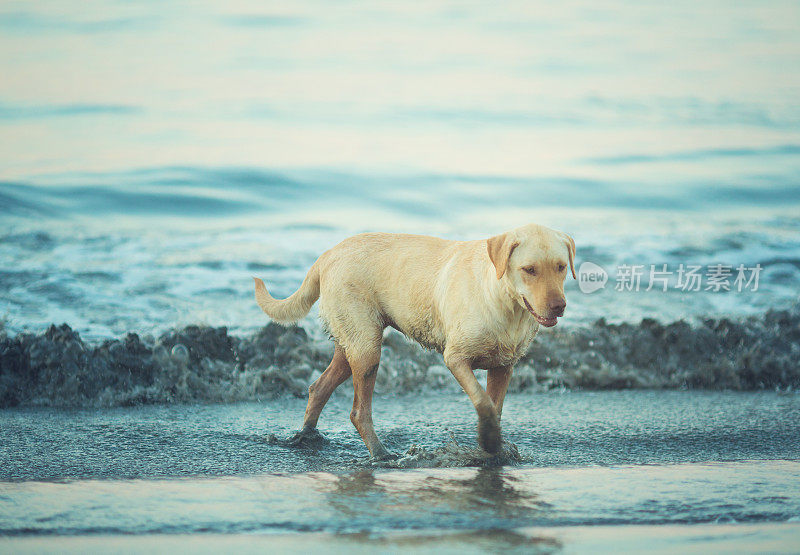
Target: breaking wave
(205, 364)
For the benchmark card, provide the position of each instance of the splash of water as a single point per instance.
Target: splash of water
(204, 364)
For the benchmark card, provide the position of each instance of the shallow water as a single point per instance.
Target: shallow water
(665, 538)
(673, 468)
(411, 500)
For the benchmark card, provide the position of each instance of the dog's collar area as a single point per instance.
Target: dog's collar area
(546, 322)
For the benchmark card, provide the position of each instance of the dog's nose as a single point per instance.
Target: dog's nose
(557, 307)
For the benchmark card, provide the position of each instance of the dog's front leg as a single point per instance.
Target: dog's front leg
(497, 384)
(490, 438)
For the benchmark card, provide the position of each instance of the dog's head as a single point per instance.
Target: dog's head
(533, 260)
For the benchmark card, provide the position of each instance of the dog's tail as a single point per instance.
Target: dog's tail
(290, 310)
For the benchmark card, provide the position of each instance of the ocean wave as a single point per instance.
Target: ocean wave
(206, 364)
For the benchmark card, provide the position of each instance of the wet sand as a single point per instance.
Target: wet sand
(603, 471)
(549, 429)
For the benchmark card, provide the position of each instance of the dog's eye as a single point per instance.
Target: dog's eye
(530, 270)
(562, 267)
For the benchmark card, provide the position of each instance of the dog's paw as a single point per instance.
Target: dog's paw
(490, 436)
(306, 437)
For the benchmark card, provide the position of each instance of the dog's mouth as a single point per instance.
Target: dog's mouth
(546, 322)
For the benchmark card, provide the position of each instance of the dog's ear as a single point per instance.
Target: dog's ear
(500, 248)
(571, 250)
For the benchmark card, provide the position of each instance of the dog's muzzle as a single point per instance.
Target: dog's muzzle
(546, 322)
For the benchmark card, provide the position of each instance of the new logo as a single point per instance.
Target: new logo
(591, 277)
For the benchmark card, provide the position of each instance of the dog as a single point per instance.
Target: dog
(478, 303)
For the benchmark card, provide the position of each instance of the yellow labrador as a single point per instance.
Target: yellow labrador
(479, 303)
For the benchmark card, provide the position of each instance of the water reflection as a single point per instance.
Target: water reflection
(489, 496)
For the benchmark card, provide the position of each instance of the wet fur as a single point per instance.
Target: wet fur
(463, 299)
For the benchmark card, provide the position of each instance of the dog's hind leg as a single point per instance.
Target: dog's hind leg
(318, 394)
(320, 391)
(497, 384)
(490, 438)
(365, 370)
